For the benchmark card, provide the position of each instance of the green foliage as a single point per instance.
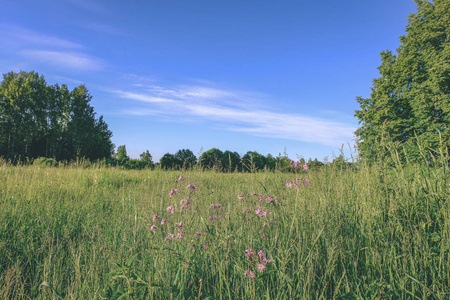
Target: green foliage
(40, 120)
(231, 161)
(412, 96)
(211, 158)
(146, 156)
(185, 158)
(122, 155)
(252, 161)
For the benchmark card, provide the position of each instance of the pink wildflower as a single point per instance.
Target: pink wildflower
(245, 210)
(179, 225)
(305, 167)
(306, 181)
(246, 272)
(172, 192)
(261, 198)
(261, 254)
(212, 206)
(153, 227)
(265, 224)
(288, 184)
(252, 274)
(192, 186)
(180, 234)
(180, 179)
(265, 260)
(241, 197)
(169, 237)
(156, 217)
(269, 199)
(171, 209)
(185, 203)
(164, 221)
(261, 267)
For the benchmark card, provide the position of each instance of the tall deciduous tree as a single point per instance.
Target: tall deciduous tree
(37, 119)
(412, 96)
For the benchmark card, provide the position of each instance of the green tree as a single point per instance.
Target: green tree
(211, 158)
(412, 96)
(185, 158)
(252, 160)
(230, 161)
(37, 119)
(146, 156)
(168, 161)
(122, 155)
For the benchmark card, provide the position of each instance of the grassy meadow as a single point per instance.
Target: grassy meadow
(365, 232)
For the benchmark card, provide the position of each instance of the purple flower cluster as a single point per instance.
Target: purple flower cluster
(259, 259)
(260, 212)
(214, 206)
(296, 183)
(297, 164)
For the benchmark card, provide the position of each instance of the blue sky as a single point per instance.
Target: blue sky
(265, 76)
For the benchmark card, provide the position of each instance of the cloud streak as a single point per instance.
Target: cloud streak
(72, 60)
(213, 105)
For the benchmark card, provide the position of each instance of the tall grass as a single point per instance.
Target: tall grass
(370, 232)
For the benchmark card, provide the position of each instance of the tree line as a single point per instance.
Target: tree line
(41, 120)
(215, 159)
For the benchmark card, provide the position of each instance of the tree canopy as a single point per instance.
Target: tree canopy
(41, 120)
(412, 96)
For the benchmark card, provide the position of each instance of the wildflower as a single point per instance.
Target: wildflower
(261, 198)
(245, 210)
(264, 236)
(171, 209)
(192, 186)
(241, 197)
(261, 267)
(305, 167)
(258, 210)
(275, 200)
(261, 254)
(172, 192)
(185, 203)
(179, 225)
(153, 227)
(306, 181)
(252, 275)
(180, 179)
(254, 194)
(169, 237)
(212, 218)
(246, 272)
(156, 217)
(180, 234)
(265, 260)
(212, 206)
(164, 221)
(219, 206)
(265, 224)
(269, 199)
(288, 184)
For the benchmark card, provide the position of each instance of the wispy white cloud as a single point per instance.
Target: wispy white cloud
(18, 36)
(211, 104)
(72, 60)
(102, 28)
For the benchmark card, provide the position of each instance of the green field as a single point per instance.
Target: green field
(361, 232)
